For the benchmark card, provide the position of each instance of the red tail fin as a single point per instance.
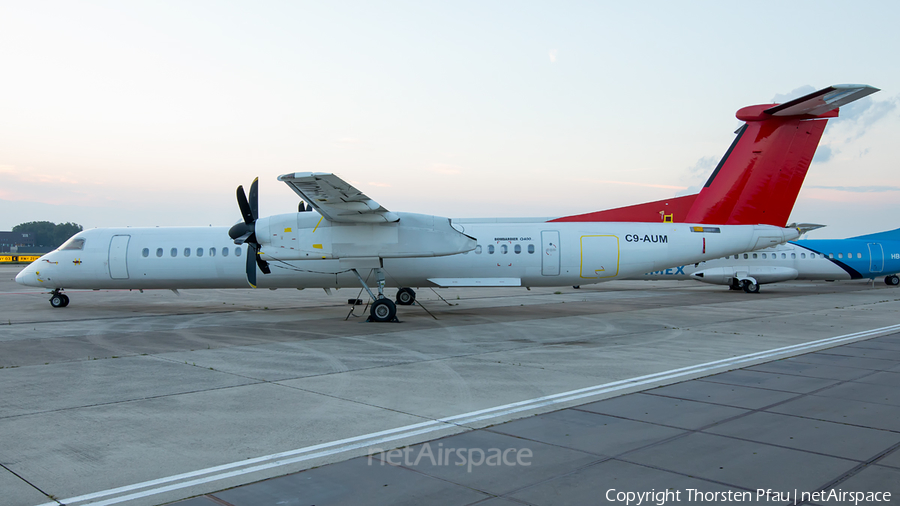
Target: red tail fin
(759, 178)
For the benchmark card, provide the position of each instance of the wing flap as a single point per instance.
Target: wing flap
(335, 199)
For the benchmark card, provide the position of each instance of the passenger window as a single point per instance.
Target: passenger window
(212, 252)
(199, 252)
(812, 255)
(237, 251)
(802, 255)
(849, 255)
(754, 255)
(225, 251)
(145, 252)
(793, 255)
(478, 249)
(159, 252)
(73, 243)
(736, 257)
(531, 248)
(504, 249)
(840, 255)
(187, 252)
(859, 255)
(490, 249)
(174, 252)
(746, 256)
(764, 255)
(518, 249)
(783, 255)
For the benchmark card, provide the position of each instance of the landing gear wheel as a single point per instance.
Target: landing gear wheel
(65, 299)
(383, 310)
(892, 280)
(406, 296)
(57, 300)
(750, 286)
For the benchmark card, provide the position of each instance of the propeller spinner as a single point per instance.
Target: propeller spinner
(246, 232)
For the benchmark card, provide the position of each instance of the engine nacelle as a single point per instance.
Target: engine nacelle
(308, 236)
(761, 274)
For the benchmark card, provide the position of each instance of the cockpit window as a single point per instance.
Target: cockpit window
(73, 243)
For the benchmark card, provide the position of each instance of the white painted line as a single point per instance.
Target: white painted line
(274, 460)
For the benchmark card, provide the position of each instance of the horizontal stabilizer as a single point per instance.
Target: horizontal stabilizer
(822, 101)
(336, 199)
(804, 228)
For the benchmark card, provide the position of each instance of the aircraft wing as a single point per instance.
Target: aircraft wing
(335, 199)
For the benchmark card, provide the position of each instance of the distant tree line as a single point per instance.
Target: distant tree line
(48, 234)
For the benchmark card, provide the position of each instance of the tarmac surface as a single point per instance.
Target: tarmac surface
(271, 397)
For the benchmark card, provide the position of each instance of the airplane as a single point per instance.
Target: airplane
(743, 206)
(866, 256)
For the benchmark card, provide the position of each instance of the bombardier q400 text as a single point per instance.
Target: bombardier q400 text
(349, 240)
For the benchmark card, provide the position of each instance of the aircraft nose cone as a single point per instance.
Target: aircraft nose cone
(23, 275)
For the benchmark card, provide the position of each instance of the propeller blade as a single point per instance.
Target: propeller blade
(251, 264)
(263, 265)
(254, 199)
(246, 211)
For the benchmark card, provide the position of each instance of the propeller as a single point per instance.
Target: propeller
(246, 232)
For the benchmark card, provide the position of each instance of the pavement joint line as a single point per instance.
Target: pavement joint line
(368, 440)
(855, 470)
(19, 476)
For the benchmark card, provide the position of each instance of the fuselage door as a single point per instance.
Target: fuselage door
(118, 260)
(550, 253)
(876, 257)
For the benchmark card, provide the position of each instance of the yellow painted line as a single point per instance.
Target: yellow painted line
(618, 258)
(317, 225)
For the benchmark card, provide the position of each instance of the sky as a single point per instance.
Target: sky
(151, 113)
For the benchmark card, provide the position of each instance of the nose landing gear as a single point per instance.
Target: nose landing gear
(58, 299)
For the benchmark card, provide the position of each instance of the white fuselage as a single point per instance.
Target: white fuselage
(507, 252)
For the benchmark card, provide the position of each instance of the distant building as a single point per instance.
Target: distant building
(10, 242)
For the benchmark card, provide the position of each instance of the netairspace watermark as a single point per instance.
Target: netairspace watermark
(467, 457)
(661, 497)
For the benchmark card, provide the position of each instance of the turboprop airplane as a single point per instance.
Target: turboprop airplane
(867, 256)
(744, 206)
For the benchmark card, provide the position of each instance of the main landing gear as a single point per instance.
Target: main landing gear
(406, 296)
(383, 309)
(58, 299)
(892, 280)
(750, 286)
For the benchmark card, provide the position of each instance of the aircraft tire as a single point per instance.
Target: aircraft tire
(65, 299)
(406, 296)
(383, 310)
(892, 280)
(57, 300)
(750, 287)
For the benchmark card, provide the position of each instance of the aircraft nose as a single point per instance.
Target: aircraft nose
(26, 276)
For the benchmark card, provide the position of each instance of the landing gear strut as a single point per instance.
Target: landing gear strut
(383, 309)
(59, 299)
